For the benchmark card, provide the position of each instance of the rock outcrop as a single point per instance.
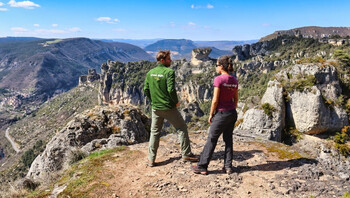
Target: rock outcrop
(200, 55)
(310, 32)
(257, 123)
(100, 127)
(304, 96)
(91, 77)
(248, 51)
(191, 110)
(315, 110)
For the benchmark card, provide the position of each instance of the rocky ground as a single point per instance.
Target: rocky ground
(259, 172)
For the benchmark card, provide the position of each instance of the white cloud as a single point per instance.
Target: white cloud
(191, 24)
(19, 29)
(54, 25)
(52, 31)
(119, 30)
(209, 6)
(36, 25)
(1, 4)
(107, 20)
(195, 7)
(75, 29)
(23, 4)
(3, 9)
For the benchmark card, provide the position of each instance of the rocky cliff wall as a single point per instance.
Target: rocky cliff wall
(100, 127)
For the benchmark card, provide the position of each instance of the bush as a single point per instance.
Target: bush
(340, 140)
(268, 109)
(342, 57)
(76, 156)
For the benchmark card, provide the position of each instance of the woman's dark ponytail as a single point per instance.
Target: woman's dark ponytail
(226, 63)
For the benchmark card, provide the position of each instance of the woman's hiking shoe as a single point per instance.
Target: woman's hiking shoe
(197, 170)
(227, 170)
(190, 158)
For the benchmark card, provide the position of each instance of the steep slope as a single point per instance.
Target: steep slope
(45, 67)
(310, 32)
(33, 131)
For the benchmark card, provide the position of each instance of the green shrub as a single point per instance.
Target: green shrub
(291, 135)
(342, 57)
(346, 195)
(76, 156)
(342, 149)
(268, 109)
(340, 140)
(28, 157)
(205, 107)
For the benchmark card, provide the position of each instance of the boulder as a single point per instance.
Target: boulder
(100, 127)
(257, 123)
(307, 109)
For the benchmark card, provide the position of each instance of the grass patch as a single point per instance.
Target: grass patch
(282, 151)
(346, 195)
(83, 177)
(54, 41)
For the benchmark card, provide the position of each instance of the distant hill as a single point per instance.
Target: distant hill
(138, 42)
(182, 48)
(49, 66)
(223, 45)
(18, 39)
(178, 47)
(311, 32)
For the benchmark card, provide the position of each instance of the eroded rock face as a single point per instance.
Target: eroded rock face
(258, 124)
(200, 55)
(307, 109)
(100, 127)
(247, 51)
(311, 115)
(191, 109)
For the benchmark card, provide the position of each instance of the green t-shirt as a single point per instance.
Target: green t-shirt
(160, 87)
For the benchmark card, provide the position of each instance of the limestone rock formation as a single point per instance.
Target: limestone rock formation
(248, 51)
(258, 124)
(100, 127)
(307, 109)
(191, 110)
(200, 55)
(91, 77)
(303, 96)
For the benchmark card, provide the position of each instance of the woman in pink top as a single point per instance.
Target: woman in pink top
(222, 117)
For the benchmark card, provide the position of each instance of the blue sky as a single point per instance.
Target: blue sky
(146, 19)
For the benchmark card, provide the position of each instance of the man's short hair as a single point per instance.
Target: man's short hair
(163, 54)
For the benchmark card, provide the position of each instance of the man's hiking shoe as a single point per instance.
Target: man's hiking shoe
(197, 170)
(227, 170)
(190, 158)
(151, 164)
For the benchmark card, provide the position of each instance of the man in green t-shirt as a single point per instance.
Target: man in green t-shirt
(160, 90)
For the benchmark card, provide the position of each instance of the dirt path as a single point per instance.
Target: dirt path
(14, 145)
(256, 175)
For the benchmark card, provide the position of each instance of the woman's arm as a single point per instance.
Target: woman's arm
(235, 98)
(214, 103)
